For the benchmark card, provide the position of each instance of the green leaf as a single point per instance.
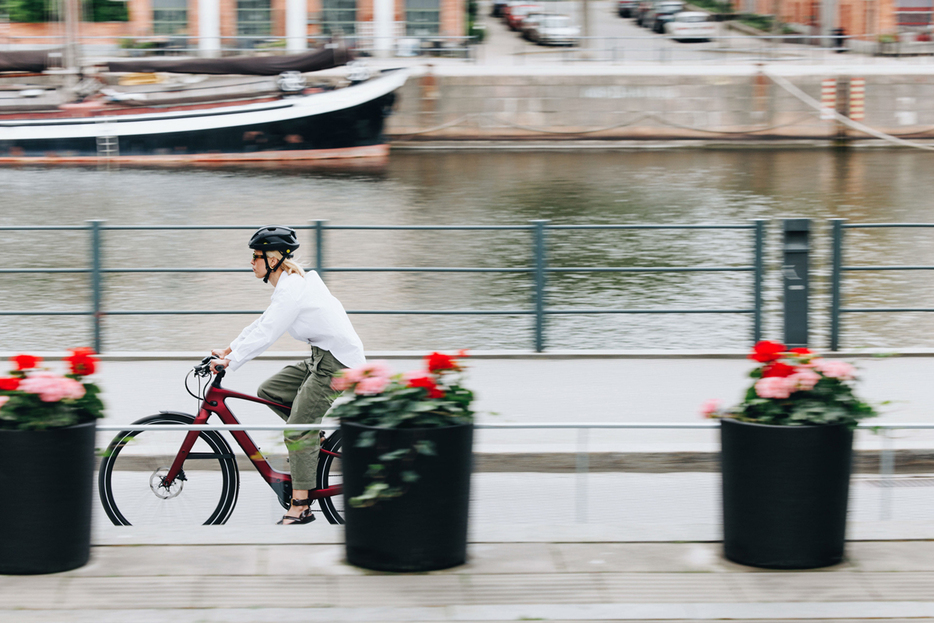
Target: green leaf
(425, 447)
(409, 476)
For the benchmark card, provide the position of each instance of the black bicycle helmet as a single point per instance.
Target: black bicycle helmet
(274, 238)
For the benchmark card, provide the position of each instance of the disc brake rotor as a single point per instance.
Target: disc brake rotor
(166, 493)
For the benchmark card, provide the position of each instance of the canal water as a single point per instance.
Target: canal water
(587, 187)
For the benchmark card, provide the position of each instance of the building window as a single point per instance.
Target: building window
(339, 16)
(422, 17)
(169, 17)
(254, 17)
(915, 13)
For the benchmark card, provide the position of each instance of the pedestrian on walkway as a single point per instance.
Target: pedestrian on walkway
(302, 305)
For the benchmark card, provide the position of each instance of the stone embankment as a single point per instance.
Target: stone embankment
(600, 104)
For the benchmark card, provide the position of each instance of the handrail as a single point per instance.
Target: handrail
(886, 452)
(510, 426)
(838, 226)
(538, 269)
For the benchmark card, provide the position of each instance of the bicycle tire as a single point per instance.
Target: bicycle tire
(330, 474)
(128, 481)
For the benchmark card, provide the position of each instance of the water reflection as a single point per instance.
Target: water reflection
(483, 188)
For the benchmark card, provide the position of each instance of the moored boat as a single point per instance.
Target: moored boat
(197, 110)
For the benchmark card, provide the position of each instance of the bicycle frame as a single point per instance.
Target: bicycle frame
(215, 403)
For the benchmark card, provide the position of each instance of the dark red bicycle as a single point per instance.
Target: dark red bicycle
(156, 477)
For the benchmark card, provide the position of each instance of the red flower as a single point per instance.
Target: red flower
(800, 351)
(766, 351)
(439, 362)
(26, 362)
(81, 361)
(9, 385)
(777, 368)
(427, 383)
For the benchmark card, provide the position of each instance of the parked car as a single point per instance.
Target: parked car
(660, 13)
(691, 26)
(517, 12)
(528, 23)
(556, 30)
(499, 7)
(627, 8)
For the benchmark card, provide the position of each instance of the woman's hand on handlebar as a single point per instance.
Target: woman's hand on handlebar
(220, 353)
(219, 364)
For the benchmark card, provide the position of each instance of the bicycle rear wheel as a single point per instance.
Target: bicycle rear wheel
(329, 475)
(131, 471)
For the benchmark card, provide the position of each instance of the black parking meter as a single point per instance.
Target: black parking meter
(796, 281)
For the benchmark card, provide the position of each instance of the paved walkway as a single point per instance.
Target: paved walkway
(550, 581)
(553, 387)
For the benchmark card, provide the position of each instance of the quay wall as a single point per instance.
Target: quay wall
(659, 103)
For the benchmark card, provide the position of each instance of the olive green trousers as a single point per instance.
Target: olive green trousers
(306, 388)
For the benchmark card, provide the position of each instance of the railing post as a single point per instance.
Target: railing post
(835, 278)
(95, 230)
(540, 264)
(319, 247)
(582, 466)
(758, 277)
(796, 277)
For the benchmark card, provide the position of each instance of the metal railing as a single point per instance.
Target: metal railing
(539, 270)
(652, 48)
(461, 47)
(838, 226)
(582, 452)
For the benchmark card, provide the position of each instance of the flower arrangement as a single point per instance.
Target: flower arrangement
(32, 398)
(428, 398)
(795, 387)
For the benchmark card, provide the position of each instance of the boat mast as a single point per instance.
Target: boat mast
(72, 14)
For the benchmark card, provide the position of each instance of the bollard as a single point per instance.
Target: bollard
(795, 277)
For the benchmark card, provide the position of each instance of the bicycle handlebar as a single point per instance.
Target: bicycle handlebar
(203, 369)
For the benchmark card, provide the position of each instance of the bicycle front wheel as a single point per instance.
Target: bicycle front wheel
(131, 475)
(329, 475)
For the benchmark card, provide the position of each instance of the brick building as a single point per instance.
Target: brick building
(377, 23)
(858, 18)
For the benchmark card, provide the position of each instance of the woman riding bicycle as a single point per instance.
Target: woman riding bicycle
(302, 305)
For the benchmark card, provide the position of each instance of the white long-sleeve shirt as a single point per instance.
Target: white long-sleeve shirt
(309, 312)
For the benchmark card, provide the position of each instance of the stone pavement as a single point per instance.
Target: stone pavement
(266, 582)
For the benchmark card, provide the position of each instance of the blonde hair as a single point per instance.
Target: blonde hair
(289, 265)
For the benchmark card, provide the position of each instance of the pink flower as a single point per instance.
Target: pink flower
(709, 409)
(835, 369)
(372, 385)
(805, 379)
(372, 370)
(775, 387)
(52, 387)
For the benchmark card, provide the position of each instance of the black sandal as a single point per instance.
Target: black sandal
(305, 517)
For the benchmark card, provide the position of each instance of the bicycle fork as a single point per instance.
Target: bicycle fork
(176, 471)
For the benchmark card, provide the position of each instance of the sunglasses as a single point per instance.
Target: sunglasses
(257, 257)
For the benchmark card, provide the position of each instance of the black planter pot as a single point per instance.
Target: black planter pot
(46, 486)
(785, 492)
(426, 527)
